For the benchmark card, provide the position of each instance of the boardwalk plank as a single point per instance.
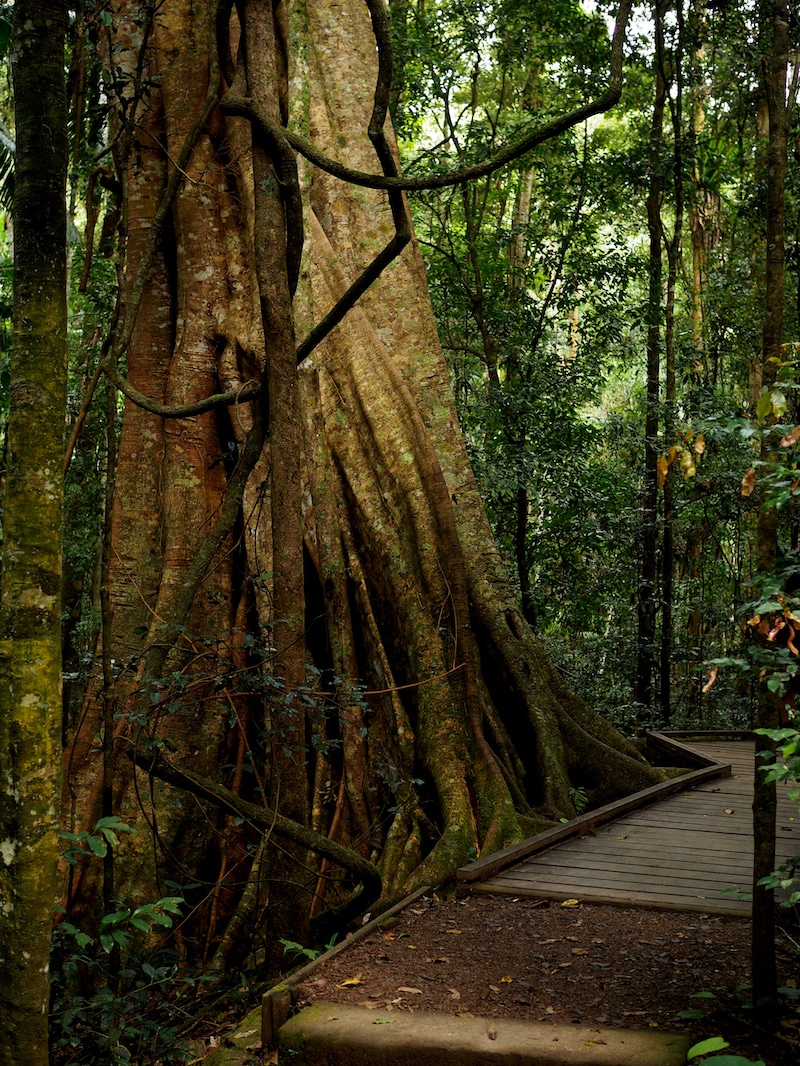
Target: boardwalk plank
(678, 854)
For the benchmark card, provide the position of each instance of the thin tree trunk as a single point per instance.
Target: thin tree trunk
(648, 574)
(674, 247)
(769, 705)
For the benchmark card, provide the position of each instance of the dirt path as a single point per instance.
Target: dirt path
(603, 965)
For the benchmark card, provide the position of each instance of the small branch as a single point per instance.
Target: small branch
(190, 410)
(203, 787)
(513, 150)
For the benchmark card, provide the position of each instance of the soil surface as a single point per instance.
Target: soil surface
(569, 963)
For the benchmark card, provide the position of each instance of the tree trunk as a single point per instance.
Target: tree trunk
(437, 729)
(648, 575)
(30, 611)
(769, 704)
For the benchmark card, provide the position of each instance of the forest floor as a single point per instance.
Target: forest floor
(591, 965)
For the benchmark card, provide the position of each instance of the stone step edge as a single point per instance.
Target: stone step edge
(324, 1034)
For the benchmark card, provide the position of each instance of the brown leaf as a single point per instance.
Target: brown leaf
(749, 481)
(729, 810)
(699, 444)
(662, 464)
(712, 677)
(791, 438)
(579, 951)
(411, 991)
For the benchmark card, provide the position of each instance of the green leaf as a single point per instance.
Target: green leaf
(702, 995)
(764, 406)
(731, 1060)
(97, 845)
(693, 1015)
(713, 1043)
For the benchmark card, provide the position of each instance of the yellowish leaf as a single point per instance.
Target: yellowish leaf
(688, 465)
(571, 903)
(351, 982)
(506, 980)
(662, 463)
(749, 481)
(699, 444)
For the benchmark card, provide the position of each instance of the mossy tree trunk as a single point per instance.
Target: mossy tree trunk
(30, 611)
(436, 729)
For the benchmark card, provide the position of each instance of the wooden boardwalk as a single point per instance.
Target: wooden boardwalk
(676, 854)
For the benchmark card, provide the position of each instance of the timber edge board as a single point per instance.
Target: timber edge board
(706, 770)
(278, 1002)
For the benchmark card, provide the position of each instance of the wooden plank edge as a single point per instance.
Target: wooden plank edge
(489, 865)
(735, 909)
(278, 1001)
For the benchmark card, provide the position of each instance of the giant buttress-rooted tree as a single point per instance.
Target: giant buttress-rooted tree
(321, 513)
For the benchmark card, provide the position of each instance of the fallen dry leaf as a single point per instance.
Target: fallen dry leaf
(411, 991)
(351, 982)
(579, 951)
(571, 903)
(729, 810)
(506, 980)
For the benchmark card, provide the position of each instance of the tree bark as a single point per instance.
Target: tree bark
(769, 704)
(437, 729)
(30, 610)
(648, 575)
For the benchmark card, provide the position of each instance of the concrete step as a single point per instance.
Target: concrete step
(337, 1034)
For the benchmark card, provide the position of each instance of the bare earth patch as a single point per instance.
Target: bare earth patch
(585, 964)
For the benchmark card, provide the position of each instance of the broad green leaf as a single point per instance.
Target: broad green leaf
(713, 1043)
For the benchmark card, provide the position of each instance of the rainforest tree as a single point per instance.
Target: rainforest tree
(309, 631)
(30, 615)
